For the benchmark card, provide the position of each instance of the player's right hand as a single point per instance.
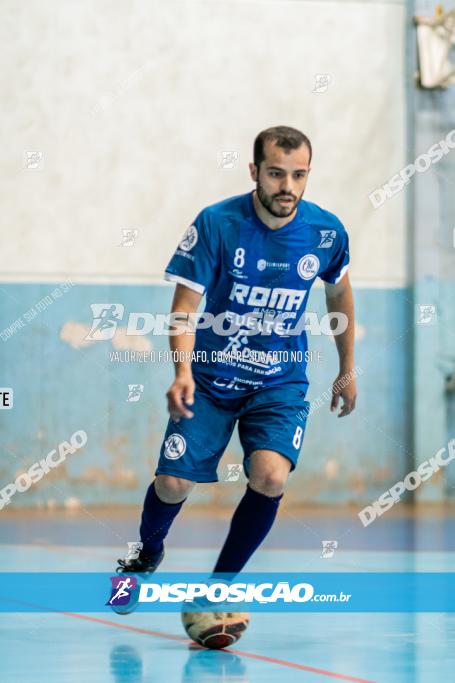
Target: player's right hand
(180, 395)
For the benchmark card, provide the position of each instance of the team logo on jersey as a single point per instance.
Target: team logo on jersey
(189, 239)
(235, 272)
(174, 447)
(308, 266)
(327, 237)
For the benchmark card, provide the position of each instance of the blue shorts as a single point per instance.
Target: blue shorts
(273, 419)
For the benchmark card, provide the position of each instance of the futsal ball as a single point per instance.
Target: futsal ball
(215, 630)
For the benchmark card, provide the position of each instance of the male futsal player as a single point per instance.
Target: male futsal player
(255, 257)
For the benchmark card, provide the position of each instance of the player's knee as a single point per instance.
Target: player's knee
(172, 489)
(269, 472)
(269, 483)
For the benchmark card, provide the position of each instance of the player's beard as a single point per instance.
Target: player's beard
(273, 207)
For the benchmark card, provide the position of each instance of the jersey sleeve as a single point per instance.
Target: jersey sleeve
(339, 259)
(195, 261)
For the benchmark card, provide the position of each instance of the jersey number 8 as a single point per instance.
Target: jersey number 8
(239, 258)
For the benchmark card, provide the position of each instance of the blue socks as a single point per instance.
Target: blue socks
(157, 517)
(250, 524)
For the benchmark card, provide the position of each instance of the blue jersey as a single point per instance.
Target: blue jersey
(256, 281)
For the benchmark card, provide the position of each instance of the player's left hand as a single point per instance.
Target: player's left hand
(345, 387)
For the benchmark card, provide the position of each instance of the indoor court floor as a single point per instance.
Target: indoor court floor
(153, 648)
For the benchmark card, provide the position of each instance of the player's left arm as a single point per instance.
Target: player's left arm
(339, 299)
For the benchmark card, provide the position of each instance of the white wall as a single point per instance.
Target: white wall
(132, 102)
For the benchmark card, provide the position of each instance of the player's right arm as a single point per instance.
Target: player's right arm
(181, 391)
(194, 268)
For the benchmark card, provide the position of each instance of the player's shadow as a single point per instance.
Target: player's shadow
(202, 666)
(206, 666)
(126, 664)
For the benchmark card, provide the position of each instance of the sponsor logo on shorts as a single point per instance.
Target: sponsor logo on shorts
(174, 447)
(228, 384)
(308, 266)
(189, 239)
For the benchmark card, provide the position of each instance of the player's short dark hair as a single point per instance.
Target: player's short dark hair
(285, 137)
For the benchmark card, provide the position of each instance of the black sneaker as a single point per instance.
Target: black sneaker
(140, 565)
